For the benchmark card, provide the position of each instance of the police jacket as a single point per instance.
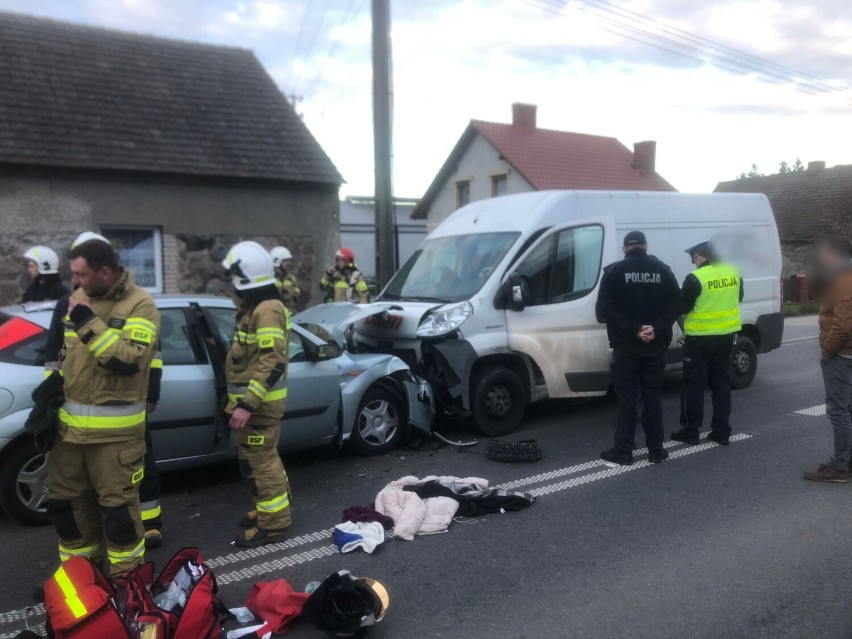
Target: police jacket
(710, 300)
(256, 365)
(638, 291)
(108, 353)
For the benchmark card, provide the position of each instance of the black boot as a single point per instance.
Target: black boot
(687, 436)
(612, 455)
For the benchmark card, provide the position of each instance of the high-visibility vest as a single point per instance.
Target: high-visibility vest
(717, 309)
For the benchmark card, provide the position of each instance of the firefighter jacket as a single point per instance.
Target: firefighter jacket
(345, 285)
(256, 366)
(109, 349)
(288, 288)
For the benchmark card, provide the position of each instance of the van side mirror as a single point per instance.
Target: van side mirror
(515, 293)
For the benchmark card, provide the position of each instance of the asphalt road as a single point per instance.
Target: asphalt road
(716, 542)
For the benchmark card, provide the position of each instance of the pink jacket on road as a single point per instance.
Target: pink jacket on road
(415, 516)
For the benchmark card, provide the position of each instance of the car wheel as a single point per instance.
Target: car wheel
(380, 424)
(23, 485)
(743, 363)
(499, 401)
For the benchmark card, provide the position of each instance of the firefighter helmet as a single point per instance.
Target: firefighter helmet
(346, 254)
(86, 236)
(279, 254)
(249, 265)
(45, 258)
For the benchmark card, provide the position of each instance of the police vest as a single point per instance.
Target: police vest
(717, 310)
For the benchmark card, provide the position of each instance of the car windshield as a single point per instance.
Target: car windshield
(449, 269)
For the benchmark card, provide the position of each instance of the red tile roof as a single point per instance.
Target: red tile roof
(550, 159)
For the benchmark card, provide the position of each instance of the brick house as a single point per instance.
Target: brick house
(173, 150)
(806, 204)
(492, 159)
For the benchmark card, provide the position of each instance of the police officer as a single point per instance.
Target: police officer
(343, 281)
(285, 280)
(711, 304)
(639, 301)
(96, 464)
(256, 368)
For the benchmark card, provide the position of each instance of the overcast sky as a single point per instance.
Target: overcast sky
(455, 60)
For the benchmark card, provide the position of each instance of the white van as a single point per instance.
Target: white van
(497, 306)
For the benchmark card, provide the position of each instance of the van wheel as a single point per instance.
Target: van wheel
(499, 401)
(23, 485)
(380, 424)
(743, 363)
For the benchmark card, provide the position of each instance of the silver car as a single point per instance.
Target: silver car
(334, 396)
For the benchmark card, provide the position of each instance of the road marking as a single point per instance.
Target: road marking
(620, 470)
(799, 340)
(252, 572)
(256, 570)
(571, 470)
(813, 411)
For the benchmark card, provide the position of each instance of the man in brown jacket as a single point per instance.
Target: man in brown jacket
(835, 340)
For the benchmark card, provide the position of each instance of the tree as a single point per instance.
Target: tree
(798, 167)
(753, 173)
(784, 168)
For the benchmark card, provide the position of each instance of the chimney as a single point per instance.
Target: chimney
(645, 156)
(523, 115)
(818, 165)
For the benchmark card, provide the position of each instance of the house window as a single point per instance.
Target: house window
(462, 193)
(140, 250)
(498, 185)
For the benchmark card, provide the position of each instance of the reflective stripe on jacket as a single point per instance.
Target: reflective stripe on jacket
(717, 309)
(288, 288)
(256, 366)
(344, 286)
(106, 367)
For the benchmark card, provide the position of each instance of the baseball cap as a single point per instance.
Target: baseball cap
(635, 238)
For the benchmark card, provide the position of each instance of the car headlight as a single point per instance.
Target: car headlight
(445, 320)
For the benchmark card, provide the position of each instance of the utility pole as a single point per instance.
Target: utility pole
(382, 125)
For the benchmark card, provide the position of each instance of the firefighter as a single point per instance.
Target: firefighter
(711, 304)
(149, 488)
(256, 369)
(343, 281)
(97, 460)
(43, 269)
(285, 280)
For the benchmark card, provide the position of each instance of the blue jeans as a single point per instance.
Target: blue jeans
(837, 375)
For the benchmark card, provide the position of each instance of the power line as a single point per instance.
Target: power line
(316, 31)
(297, 47)
(638, 28)
(353, 10)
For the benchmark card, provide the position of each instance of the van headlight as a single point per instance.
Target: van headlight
(445, 320)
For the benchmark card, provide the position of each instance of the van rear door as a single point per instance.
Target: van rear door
(557, 328)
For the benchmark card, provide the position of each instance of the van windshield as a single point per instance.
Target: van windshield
(449, 269)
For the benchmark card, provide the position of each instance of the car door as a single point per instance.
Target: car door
(558, 328)
(313, 393)
(313, 387)
(183, 424)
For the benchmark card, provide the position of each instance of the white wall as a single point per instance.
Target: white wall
(479, 162)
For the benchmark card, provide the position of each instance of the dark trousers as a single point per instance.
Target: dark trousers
(707, 362)
(837, 375)
(632, 372)
(149, 489)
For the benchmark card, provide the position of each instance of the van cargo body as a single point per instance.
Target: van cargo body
(497, 306)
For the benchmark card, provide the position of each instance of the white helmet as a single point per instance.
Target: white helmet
(45, 257)
(279, 254)
(249, 265)
(85, 236)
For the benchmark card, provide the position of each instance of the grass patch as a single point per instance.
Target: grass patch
(795, 310)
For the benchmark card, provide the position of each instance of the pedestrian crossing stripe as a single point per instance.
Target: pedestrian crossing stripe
(813, 411)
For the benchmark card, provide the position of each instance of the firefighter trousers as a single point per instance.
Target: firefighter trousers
(94, 501)
(261, 465)
(149, 489)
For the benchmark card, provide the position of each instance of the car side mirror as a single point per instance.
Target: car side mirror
(515, 292)
(323, 352)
